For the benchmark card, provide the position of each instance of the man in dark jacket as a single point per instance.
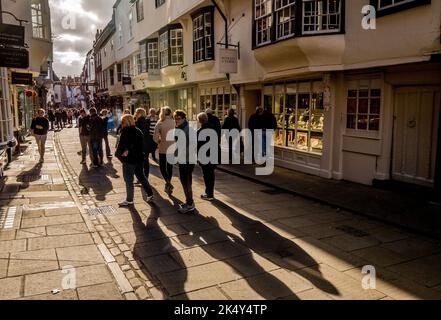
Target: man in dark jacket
(208, 169)
(143, 124)
(84, 130)
(96, 138)
(51, 117)
(130, 153)
(185, 168)
(40, 128)
(231, 123)
(215, 122)
(255, 123)
(59, 119)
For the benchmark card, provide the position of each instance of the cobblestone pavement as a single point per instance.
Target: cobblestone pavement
(62, 230)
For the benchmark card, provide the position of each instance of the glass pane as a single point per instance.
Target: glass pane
(374, 123)
(351, 122)
(375, 106)
(363, 106)
(362, 122)
(352, 105)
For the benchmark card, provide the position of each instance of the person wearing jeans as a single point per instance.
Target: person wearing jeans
(84, 128)
(104, 115)
(130, 153)
(208, 169)
(96, 138)
(162, 129)
(40, 128)
(185, 169)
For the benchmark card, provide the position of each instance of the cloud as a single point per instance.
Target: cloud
(74, 25)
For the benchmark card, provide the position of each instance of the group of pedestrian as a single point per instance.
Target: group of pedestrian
(61, 118)
(141, 135)
(264, 120)
(94, 134)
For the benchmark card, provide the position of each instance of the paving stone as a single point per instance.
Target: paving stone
(10, 288)
(3, 268)
(31, 233)
(135, 283)
(379, 256)
(63, 295)
(121, 279)
(200, 277)
(106, 253)
(157, 294)
(413, 247)
(340, 286)
(123, 247)
(115, 251)
(425, 271)
(131, 296)
(42, 283)
(397, 287)
(161, 264)
(350, 243)
(79, 256)
(210, 294)
(60, 241)
(7, 235)
(61, 212)
(13, 246)
(67, 229)
(129, 274)
(32, 262)
(251, 265)
(51, 221)
(313, 294)
(107, 291)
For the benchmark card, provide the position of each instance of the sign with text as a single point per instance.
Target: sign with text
(14, 58)
(12, 35)
(21, 78)
(228, 59)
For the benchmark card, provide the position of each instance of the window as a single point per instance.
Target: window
(120, 36)
(152, 54)
(385, 7)
(143, 58)
(112, 76)
(364, 108)
(138, 64)
(171, 49)
(264, 21)
(285, 12)
(37, 21)
(140, 10)
(163, 49)
(176, 46)
(220, 100)
(159, 3)
(130, 25)
(119, 71)
(203, 36)
(321, 16)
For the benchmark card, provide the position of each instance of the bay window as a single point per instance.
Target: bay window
(385, 7)
(171, 46)
(321, 16)
(285, 12)
(152, 54)
(37, 20)
(203, 35)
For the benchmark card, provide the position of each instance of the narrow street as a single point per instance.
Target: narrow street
(61, 229)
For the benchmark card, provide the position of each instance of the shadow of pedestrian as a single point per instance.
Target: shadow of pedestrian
(156, 250)
(32, 175)
(95, 180)
(277, 249)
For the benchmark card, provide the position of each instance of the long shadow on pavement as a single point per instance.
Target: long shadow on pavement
(96, 180)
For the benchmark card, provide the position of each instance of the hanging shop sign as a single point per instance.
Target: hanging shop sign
(14, 58)
(21, 78)
(12, 35)
(228, 59)
(127, 81)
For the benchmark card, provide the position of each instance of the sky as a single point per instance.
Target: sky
(74, 25)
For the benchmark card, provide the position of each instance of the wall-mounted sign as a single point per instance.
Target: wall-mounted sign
(228, 60)
(127, 81)
(12, 35)
(21, 78)
(14, 58)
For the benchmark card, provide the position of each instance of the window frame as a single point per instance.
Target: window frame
(165, 46)
(139, 10)
(326, 31)
(204, 43)
(37, 12)
(407, 4)
(156, 62)
(159, 3)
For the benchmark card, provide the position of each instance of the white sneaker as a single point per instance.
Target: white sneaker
(126, 204)
(185, 209)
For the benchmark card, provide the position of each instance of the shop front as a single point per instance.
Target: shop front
(219, 97)
(185, 99)
(6, 123)
(299, 109)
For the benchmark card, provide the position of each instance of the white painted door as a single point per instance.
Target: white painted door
(416, 114)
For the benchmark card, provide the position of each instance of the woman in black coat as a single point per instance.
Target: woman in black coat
(144, 125)
(130, 153)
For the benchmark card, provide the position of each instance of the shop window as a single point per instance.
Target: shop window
(364, 109)
(203, 35)
(385, 7)
(321, 16)
(220, 100)
(298, 108)
(5, 109)
(143, 58)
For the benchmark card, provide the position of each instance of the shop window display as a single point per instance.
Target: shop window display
(220, 100)
(300, 116)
